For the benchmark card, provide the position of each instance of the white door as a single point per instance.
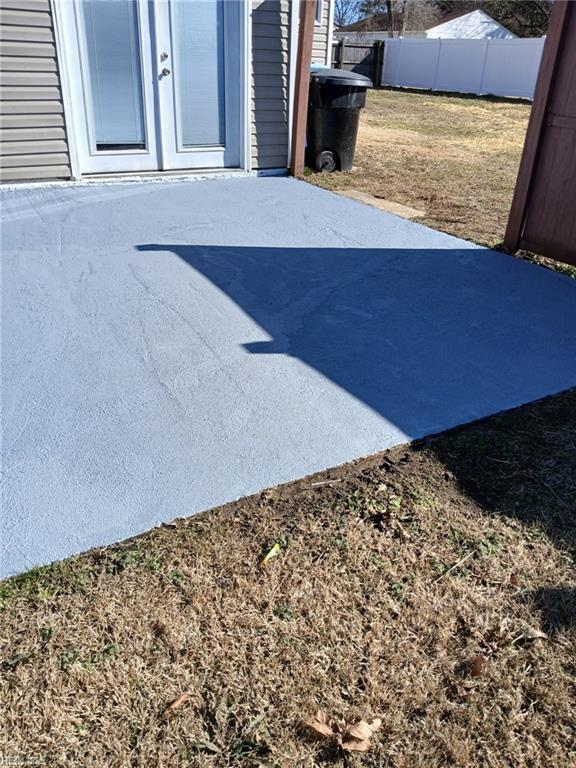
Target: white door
(108, 57)
(154, 85)
(198, 60)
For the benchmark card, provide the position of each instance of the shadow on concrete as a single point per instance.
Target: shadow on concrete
(427, 338)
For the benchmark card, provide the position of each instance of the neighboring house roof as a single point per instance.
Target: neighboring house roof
(473, 25)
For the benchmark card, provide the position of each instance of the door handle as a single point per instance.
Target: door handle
(165, 72)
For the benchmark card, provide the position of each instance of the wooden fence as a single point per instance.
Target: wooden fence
(363, 58)
(543, 214)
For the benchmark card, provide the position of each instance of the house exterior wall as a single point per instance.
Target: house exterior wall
(320, 51)
(270, 82)
(33, 142)
(271, 21)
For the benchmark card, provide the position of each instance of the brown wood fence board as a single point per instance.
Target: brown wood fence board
(543, 212)
(362, 58)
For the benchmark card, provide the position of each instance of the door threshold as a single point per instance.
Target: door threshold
(186, 175)
(148, 177)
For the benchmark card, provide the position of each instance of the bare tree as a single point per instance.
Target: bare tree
(401, 14)
(419, 15)
(392, 9)
(345, 12)
(526, 18)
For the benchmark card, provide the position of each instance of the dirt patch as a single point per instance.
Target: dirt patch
(432, 586)
(384, 205)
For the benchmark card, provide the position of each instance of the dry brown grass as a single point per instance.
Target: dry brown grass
(396, 575)
(454, 157)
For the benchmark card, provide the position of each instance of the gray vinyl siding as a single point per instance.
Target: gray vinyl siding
(270, 76)
(321, 33)
(33, 142)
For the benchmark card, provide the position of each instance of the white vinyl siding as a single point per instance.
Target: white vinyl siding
(33, 142)
(270, 75)
(321, 33)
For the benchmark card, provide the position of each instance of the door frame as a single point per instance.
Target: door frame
(65, 35)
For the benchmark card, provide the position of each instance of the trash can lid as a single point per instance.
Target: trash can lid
(340, 77)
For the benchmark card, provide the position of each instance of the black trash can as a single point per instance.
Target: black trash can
(334, 103)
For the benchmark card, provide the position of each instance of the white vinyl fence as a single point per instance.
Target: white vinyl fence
(497, 67)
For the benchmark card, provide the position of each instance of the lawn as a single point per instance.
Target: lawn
(454, 158)
(432, 586)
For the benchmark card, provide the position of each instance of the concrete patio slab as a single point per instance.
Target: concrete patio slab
(170, 347)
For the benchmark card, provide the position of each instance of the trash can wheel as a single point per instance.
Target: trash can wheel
(325, 161)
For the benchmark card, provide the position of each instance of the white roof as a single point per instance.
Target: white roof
(476, 24)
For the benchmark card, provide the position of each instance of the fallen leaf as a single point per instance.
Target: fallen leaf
(171, 708)
(363, 730)
(357, 737)
(350, 738)
(320, 724)
(360, 731)
(356, 745)
(272, 553)
(477, 666)
(514, 580)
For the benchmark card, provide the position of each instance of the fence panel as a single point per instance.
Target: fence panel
(460, 65)
(512, 67)
(409, 64)
(496, 67)
(363, 58)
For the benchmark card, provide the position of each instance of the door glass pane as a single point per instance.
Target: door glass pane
(198, 49)
(114, 72)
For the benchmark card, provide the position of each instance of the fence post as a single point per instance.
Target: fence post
(340, 52)
(483, 71)
(378, 61)
(437, 67)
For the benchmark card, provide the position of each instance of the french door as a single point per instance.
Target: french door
(155, 84)
(198, 87)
